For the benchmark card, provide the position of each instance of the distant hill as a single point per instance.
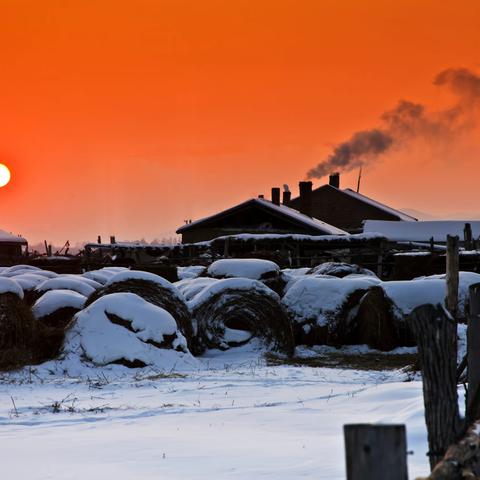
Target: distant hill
(451, 216)
(418, 214)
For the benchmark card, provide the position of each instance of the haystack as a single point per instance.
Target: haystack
(232, 311)
(24, 340)
(153, 289)
(76, 283)
(379, 324)
(322, 308)
(340, 270)
(265, 271)
(56, 308)
(125, 329)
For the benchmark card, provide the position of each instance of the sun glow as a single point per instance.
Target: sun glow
(4, 175)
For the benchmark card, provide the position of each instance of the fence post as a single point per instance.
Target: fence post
(435, 332)
(452, 275)
(375, 452)
(468, 237)
(473, 355)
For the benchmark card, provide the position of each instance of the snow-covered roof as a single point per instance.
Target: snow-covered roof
(6, 237)
(283, 210)
(401, 215)
(420, 231)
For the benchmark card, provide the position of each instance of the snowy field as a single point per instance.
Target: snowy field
(231, 416)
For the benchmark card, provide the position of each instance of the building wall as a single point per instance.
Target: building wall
(341, 210)
(252, 219)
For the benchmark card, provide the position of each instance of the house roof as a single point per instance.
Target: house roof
(421, 231)
(363, 198)
(6, 237)
(381, 206)
(282, 210)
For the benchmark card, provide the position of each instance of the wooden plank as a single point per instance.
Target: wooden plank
(375, 452)
(435, 332)
(452, 277)
(473, 355)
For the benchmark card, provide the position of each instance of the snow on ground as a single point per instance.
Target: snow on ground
(252, 268)
(232, 417)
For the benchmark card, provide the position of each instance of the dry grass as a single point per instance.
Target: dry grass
(23, 339)
(365, 361)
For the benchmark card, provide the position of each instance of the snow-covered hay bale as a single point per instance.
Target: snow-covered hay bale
(252, 268)
(379, 323)
(465, 280)
(339, 269)
(153, 289)
(23, 340)
(381, 318)
(266, 271)
(230, 312)
(192, 271)
(322, 308)
(56, 308)
(76, 283)
(190, 287)
(28, 282)
(125, 329)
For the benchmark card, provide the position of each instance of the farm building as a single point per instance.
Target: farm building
(256, 215)
(12, 247)
(423, 231)
(345, 209)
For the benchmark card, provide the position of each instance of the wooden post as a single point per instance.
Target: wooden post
(376, 452)
(468, 237)
(473, 356)
(436, 335)
(452, 275)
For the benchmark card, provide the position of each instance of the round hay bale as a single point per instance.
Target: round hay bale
(56, 308)
(75, 283)
(98, 276)
(29, 282)
(232, 311)
(190, 287)
(125, 329)
(24, 340)
(192, 271)
(377, 323)
(265, 271)
(322, 308)
(153, 289)
(339, 269)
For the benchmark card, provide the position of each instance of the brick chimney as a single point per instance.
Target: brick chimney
(335, 180)
(276, 196)
(287, 196)
(305, 198)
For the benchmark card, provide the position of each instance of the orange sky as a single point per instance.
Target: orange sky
(127, 117)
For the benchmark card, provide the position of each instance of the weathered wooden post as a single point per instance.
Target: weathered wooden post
(452, 276)
(473, 355)
(376, 452)
(436, 334)
(468, 237)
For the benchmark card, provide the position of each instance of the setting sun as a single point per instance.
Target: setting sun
(4, 175)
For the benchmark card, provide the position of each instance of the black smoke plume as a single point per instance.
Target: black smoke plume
(408, 121)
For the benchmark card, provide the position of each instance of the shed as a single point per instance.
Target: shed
(256, 215)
